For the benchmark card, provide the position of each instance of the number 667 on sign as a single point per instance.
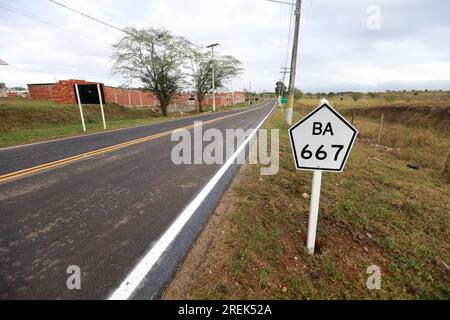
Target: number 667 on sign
(322, 140)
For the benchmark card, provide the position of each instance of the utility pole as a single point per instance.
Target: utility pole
(213, 84)
(281, 91)
(232, 92)
(249, 93)
(290, 105)
(284, 71)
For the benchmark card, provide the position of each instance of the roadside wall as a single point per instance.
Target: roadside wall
(63, 93)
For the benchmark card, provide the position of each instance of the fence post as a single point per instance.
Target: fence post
(381, 127)
(447, 169)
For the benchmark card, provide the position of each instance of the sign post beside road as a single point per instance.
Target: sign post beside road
(321, 141)
(90, 94)
(101, 105)
(80, 107)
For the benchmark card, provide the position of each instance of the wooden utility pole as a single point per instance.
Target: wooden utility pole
(290, 105)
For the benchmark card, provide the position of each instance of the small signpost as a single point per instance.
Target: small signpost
(80, 107)
(321, 141)
(284, 100)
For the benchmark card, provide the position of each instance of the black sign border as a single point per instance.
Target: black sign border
(102, 91)
(355, 133)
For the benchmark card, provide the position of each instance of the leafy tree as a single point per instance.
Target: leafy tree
(17, 89)
(156, 58)
(297, 94)
(225, 68)
(356, 96)
(280, 88)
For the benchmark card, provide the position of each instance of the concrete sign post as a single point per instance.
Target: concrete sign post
(321, 141)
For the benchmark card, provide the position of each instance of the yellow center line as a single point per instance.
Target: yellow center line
(53, 164)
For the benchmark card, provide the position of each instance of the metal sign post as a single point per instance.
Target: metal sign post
(101, 105)
(321, 141)
(80, 107)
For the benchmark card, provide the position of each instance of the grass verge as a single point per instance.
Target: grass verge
(377, 212)
(26, 121)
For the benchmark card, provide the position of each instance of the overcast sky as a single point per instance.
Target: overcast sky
(337, 52)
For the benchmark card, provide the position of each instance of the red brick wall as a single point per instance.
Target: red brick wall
(63, 92)
(224, 99)
(130, 98)
(41, 91)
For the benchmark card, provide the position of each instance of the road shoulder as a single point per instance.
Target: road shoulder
(208, 246)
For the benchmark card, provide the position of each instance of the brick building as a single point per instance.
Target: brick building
(63, 92)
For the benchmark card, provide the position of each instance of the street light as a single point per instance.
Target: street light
(213, 86)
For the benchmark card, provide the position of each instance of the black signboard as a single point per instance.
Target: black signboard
(89, 93)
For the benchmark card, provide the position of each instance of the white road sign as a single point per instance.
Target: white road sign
(322, 140)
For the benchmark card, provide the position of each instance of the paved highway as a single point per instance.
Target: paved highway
(102, 211)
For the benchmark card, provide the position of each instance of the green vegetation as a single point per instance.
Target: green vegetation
(159, 59)
(25, 121)
(377, 212)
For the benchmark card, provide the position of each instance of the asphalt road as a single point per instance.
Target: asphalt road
(14, 159)
(102, 213)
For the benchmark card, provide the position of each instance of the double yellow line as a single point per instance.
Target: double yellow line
(53, 164)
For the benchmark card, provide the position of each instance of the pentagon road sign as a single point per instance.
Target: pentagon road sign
(322, 140)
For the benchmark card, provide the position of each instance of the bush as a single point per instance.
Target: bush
(356, 96)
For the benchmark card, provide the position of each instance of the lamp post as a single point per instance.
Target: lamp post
(213, 85)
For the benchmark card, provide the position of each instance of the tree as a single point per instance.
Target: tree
(297, 94)
(225, 68)
(280, 88)
(156, 58)
(356, 96)
(17, 89)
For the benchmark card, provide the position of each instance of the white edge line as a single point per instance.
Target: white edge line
(134, 278)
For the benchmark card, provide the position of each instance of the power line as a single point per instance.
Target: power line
(291, 4)
(288, 41)
(27, 15)
(282, 2)
(91, 17)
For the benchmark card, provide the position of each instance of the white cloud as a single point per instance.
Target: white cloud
(337, 51)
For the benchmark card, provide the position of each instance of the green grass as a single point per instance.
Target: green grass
(59, 131)
(25, 121)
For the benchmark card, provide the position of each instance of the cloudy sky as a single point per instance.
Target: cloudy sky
(362, 45)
